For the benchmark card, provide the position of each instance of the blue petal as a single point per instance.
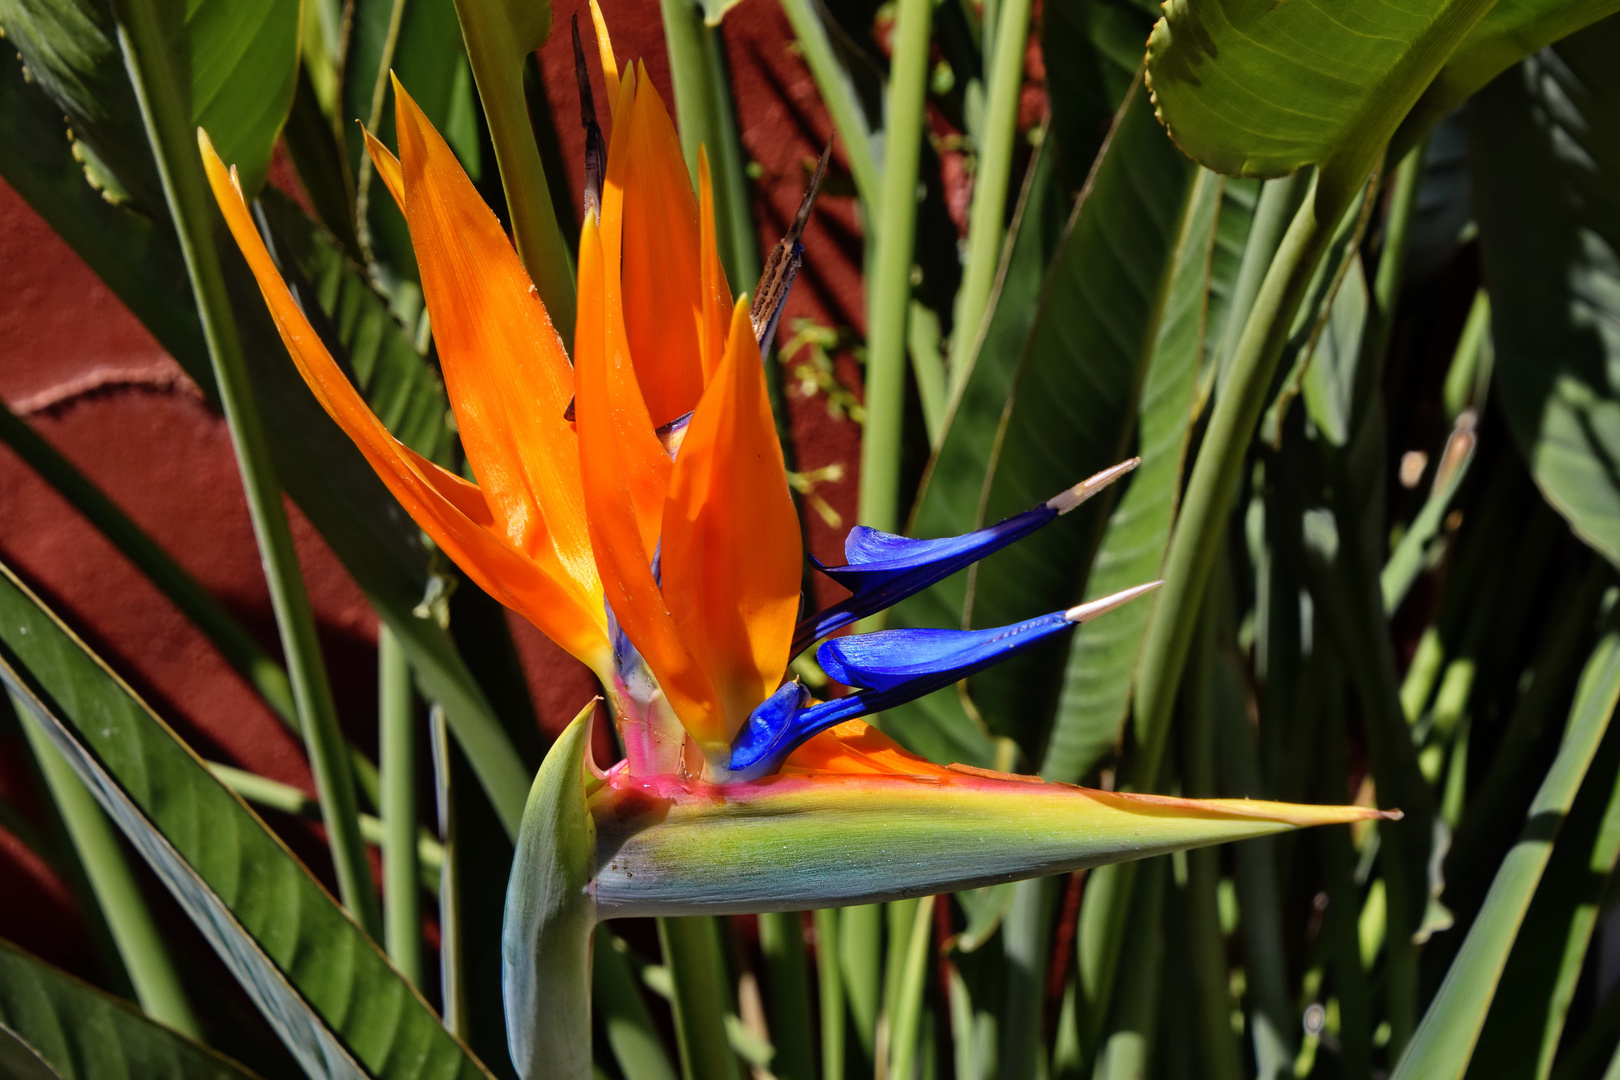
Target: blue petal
(890, 667)
(883, 569)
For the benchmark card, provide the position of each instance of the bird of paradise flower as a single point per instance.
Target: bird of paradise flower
(633, 505)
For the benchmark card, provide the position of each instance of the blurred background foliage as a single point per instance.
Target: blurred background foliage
(1377, 401)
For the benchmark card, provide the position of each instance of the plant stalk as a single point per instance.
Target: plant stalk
(402, 910)
(145, 41)
(889, 287)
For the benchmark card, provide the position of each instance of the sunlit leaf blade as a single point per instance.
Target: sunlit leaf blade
(1444, 1042)
(1545, 136)
(325, 988)
(778, 845)
(1253, 88)
(546, 936)
(1526, 1021)
(79, 1033)
(138, 258)
(1073, 406)
(1102, 657)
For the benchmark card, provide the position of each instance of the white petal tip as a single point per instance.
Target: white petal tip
(1093, 608)
(1065, 501)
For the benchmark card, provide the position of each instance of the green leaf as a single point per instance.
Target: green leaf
(242, 61)
(1102, 659)
(325, 988)
(1445, 1040)
(1255, 88)
(1545, 136)
(76, 1032)
(1073, 403)
(546, 936)
(1527, 1016)
(138, 258)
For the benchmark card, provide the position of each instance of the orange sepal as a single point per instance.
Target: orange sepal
(506, 371)
(856, 748)
(662, 297)
(712, 278)
(604, 50)
(618, 451)
(448, 508)
(732, 554)
(387, 166)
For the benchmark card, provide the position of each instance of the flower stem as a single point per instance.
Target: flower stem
(402, 910)
(990, 183)
(889, 287)
(145, 44)
(497, 49)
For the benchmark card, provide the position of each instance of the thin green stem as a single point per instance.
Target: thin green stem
(452, 969)
(402, 910)
(889, 286)
(146, 959)
(1388, 279)
(909, 994)
(1277, 206)
(497, 47)
(838, 95)
(1026, 942)
(697, 972)
(379, 94)
(781, 940)
(928, 366)
(991, 179)
(829, 975)
(145, 43)
(860, 936)
(284, 798)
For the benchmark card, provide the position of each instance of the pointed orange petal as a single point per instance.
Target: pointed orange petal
(856, 748)
(388, 170)
(662, 295)
(604, 49)
(507, 374)
(712, 330)
(617, 445)
(448, 508)
(732, 553)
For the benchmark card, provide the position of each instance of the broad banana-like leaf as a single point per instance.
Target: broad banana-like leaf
(71, 1029)
(326, 989)
(608, 846)
(1256, 88)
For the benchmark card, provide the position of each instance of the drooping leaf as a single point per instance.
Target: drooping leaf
(77, 1032)
(1073, 404)
(1545, 135)
(1102, 657)
(326, 989)
(137, 256)
(1253, 88)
